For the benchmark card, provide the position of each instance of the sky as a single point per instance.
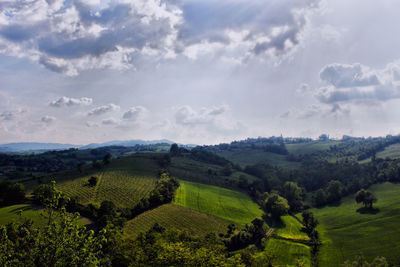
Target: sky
(197, 71)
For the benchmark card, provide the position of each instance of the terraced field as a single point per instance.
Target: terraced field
(345, 233)
(227, 204)
(125, 181)
(171, 216)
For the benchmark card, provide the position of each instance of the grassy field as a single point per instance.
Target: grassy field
(20, 212)
(196, 171)
(346, 233)
(125, 181)
(392, 151)
(291, 229)
(245, 157)
(309, 148)
(287, 253)
(172, 216)
(227, 204)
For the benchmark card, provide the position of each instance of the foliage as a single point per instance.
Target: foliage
(276, 205)
(93, 181)
(293, 193)
(251, 234)
(11, 193)
(366, 197)
(359, 261)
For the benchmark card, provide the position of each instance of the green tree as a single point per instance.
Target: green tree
(174, 150)
(107, 159)
(276, 205)
(334, 191)
(93, 181)
(293, 193)
(320, 198)
(366, 197)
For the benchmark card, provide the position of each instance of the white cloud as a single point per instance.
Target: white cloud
(103, 109)
(134, 113)
(68, 101)
(110, 121)
(357, 83)
(48, 119)
(11, 115)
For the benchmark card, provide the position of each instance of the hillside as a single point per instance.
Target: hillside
(345, 233)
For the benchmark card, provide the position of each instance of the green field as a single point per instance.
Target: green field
(228, 204)
(172, 216)
(291, 229)
(245, 157)
(310, 147)
(125, 181)
(346, 233)
(287, 253)
(20, 212)
(196, 171)
(392, 151)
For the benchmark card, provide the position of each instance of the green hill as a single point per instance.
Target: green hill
(227, 204)
(345, 233)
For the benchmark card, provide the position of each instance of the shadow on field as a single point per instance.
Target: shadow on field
(273, 223)
(18, 210)
(365, 210)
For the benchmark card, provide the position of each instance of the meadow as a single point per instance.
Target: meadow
(392, 151)
(310, 147)
(291, 229)
(176, 217)
(227, 204)
(286, 253)
(346, 233)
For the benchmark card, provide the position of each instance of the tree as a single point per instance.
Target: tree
(174, 150)
(366, 197)
(93, 181)
(309, 221)
(107, 159)
(11, 193)
(276, 205)
(334, 190)
(320, 198)
(293, 193)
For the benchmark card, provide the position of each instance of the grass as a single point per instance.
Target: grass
(17, 213)
(287, 253)
(175, 217)
(392, 151)
(196, 171)
(345, 233)
(125, 181)
(245, 157)
(20, 212)
(310, 147)
(227, 204)
(291, 229)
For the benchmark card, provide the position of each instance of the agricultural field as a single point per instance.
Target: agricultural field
(125, 181)
(245, 157)
(286, 253)
(291, 229)
(172, 216)
(345, 233)
(196, 171)
(227, 204)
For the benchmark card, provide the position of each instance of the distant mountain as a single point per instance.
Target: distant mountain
(35, 146)
(126, 143)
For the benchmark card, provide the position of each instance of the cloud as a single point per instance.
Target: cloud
(71, 36)
(134, 113)
(11, 115)
(68, 101)
(358, 84)
(186, 115)
(47, 119)
(91, 124)
(110, 121)
(103, 109)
